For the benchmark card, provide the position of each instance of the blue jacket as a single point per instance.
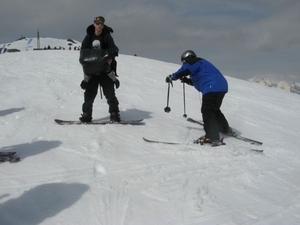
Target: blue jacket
(204, 75)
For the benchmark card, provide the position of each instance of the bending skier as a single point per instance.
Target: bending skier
(208, 80)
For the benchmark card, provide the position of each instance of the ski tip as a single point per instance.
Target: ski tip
(161, 142)
(58, 121)
(256, 143)
(257, 150)
(131, 121)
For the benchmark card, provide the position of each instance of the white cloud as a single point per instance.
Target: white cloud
(163, 29)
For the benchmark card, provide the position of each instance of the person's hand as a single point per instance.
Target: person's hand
(169, 79)
(186, 80)
(83, 84)
(117, 83)
(112, 75)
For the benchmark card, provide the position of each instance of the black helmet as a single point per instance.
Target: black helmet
(189, 54)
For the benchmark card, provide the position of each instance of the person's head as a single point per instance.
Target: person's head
(187, 55)
(99, 23)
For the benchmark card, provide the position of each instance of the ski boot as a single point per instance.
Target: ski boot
(115, 117)
(205, 140)
(85, 118)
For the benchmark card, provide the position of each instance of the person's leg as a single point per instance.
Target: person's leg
(208, 110)
(89, 97)
(221, 119)
(109, 92)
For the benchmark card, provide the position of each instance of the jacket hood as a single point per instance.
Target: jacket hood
(91, 29)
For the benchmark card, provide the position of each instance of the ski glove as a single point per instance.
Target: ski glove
(186, 80)
(86, 78)
(83, 84)
(112, 76)
(169, 79)
(117, 83)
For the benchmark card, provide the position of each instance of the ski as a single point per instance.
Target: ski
(195, 142)
(257, 150)
(162, 142)
(7, 153)
(77, 122)
(177, 143)
(251, 141)
(194, 121)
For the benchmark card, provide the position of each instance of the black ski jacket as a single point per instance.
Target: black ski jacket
(106, 40)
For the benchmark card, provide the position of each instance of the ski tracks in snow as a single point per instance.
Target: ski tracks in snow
(181, 183)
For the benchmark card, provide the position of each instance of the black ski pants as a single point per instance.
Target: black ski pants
(213, 119)
(108, 90)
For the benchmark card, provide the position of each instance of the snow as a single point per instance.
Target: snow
(107, 174)
(31, 43)
(272, 82)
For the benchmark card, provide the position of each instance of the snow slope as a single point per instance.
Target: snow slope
(108, 175)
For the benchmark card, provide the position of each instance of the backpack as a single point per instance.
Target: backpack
(93, 61)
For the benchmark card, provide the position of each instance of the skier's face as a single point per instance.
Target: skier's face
(98, 27)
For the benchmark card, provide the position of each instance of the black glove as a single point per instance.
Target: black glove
(117, 83)
(83, 84)
(169, 79)
(186, 80)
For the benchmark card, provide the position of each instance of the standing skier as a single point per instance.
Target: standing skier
(208, 80)
(101, 73)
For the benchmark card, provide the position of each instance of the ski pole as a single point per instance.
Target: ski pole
(168, 109)
(184, 115)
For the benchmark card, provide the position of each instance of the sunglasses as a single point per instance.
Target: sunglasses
(99, 23)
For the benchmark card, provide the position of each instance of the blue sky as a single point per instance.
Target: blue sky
(242, 38)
